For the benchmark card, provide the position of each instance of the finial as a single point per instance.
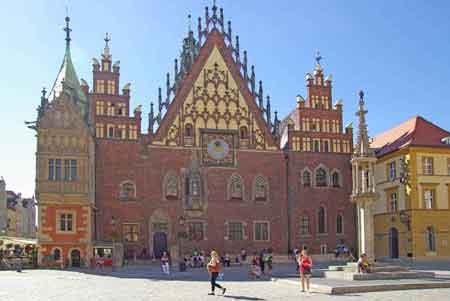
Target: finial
(67, 29)
(107, 39)
(44, 91)
(189, 23)
(361, 95)
(318, 57)
(214, 3)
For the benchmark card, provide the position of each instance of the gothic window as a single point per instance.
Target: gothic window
(260, 189)
(130, 232)
(111, 109)
(188, 131)
(235, 231)
(110, 131)
(321, 219)
(133, 132)
(171, 186)
(127, 190)
(339, 224)
(304, 225)
(99, 130)
(243, 132)
(306, 178)
(196, 231)
(111, 87)
(236, 187)
(316, 146)
(321, 177)
(326, 146)
(430, 239)
(121, 131)
(100, 108)
(335, 179)
(100, 86)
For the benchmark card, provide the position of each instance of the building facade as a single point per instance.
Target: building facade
(412, 212)
(215, 169)
(3, 208)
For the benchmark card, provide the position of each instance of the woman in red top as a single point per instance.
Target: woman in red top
(305, 264)
(214, 269)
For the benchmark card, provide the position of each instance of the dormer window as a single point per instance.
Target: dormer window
(446, 140)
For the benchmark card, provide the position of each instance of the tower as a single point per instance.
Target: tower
(363, 193)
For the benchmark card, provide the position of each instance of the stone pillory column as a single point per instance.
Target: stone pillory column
(363, 194)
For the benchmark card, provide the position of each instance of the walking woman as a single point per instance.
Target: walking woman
(214, 269)
(305, 264)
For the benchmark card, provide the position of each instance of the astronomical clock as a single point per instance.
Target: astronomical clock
(218, 147)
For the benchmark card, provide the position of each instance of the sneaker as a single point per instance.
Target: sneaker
(210, 294)
(223, 291)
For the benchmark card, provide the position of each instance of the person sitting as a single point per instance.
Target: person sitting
(227, 260)
(363, 264)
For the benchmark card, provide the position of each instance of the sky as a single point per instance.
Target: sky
(396, 51)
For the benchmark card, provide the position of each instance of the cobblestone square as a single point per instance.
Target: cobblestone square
(138, 283)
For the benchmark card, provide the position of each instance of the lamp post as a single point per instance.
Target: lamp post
(288, 201)
(113, 236)
(181, 234)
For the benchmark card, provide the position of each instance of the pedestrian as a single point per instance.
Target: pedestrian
(269, 260)
(243, 255)
(305, 265)
(214, 269)
(262, 260)
(165, 263)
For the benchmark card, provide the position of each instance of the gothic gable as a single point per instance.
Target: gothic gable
(214, 95)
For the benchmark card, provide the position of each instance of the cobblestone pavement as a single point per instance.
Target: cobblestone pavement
(137, 283)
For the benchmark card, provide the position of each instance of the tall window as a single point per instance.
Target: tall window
(110, 131)
(111, 109)
(335, 179)
(430, 239)
(196, 231)
(393, 202)
(100, 86)
(339, 224)
(448, 166)
(260, 189)
(99, 130)
(306, 178)
(70, 170)
(188, 131)
(133, 132)
(235, 231)
(392, 171)
(243, 133)
(427, 166)
(428, 196)
(317, 146)
(326, 146)
(57, 169)
(321, 219)
(121, 131)
(262, 231)
(127, 190)
(304, 225)
(131, 232)
(111, 87)
(51, 169)
(66, 222)
(66, 170)
(100, 108)
(321, 177)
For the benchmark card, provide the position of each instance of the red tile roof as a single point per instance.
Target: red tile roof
(416, 131)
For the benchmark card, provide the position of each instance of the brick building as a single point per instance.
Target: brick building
(215, 169)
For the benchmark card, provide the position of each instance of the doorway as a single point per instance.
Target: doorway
(159, 244)
(75, 258)
(393, 243)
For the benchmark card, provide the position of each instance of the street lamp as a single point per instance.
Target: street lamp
(181, 235)
(113, 226)
(288, 207)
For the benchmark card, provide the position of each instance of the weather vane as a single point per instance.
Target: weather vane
(318, 57)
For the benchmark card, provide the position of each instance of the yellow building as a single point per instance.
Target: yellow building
(412, 174)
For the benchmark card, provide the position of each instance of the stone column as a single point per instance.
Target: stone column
(369, 231)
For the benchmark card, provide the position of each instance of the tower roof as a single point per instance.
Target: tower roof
(67, 80)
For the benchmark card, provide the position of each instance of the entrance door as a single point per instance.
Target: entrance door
(75, 258)
(393, 243)
(159, 244)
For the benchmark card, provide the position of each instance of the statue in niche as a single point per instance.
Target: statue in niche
(172, 187)
(193, 185)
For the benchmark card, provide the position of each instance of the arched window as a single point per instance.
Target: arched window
(306, 179)
(243, 133)
(56, 254)
(430, 239)
(339, 224)
(236, 187)
(195, 185)
(326, 147)
(321, 219)
(127, 190)
(335, 179)
(321, 177)
(188, 132)
(304, 225)
(260, 189)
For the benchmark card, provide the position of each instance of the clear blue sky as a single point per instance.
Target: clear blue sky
(397, 51)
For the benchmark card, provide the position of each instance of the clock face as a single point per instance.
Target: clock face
(218, 149)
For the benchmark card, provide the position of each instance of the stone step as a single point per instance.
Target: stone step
(390, 275)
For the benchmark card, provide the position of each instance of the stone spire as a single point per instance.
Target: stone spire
(362, 144)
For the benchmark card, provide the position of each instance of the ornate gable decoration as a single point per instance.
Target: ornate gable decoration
(213, 90)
